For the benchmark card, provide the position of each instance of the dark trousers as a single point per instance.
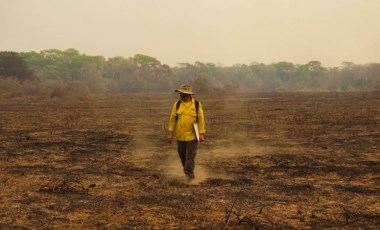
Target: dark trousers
(187, 151)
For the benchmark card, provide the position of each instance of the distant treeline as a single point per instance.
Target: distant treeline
(57, 73)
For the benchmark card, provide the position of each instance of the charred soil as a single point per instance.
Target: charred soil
(270, 161)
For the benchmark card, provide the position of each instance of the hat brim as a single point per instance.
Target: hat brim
(185, 92)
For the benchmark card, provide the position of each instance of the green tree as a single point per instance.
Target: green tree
(151, 75)
(121, 74)
(13, 65)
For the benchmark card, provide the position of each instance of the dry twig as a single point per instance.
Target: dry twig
(64, 187)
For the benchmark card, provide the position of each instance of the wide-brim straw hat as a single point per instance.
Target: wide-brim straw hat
(186, 89)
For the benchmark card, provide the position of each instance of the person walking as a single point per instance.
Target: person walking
(185, 113)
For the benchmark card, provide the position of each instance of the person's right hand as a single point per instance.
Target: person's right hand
(170, 138)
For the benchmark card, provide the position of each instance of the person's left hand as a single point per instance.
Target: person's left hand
(202, 137)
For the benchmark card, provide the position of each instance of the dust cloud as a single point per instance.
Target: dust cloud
(173, 169)
(163, 158)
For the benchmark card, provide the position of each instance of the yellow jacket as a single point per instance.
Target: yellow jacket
(183, 126)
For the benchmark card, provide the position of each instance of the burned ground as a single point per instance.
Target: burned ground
(271, 161)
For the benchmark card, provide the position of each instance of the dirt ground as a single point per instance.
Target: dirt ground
(270, 161)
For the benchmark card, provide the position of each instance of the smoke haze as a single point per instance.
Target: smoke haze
(225, 32)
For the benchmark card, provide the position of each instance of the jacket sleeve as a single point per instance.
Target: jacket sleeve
(172, 118)
(201, 120)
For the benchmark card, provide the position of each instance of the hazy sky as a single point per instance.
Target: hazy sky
(219, 31)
